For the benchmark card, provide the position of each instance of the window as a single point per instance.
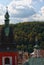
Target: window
(7, 61)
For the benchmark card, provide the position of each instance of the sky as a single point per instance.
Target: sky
(22, 10)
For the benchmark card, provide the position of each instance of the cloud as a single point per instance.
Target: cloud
(2, 8)
(42, 10)
(36, 17)
(21, 9)
(39, 16)
(2, 12)
(18, 4)
(23, 13)
(41, 0)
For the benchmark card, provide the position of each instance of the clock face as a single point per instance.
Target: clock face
(7, 31)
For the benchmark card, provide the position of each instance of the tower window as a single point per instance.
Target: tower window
(7, 61)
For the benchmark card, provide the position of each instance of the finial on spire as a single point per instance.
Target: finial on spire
(7, 14)
(6, 8)
(7, 17)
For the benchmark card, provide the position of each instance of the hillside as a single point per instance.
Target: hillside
(25, 34)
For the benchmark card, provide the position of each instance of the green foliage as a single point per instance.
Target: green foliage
(25, 34)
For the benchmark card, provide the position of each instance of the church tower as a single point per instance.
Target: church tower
(8, 52)
(7, 18)
(36, 48)
(7, 23)
(7, 36)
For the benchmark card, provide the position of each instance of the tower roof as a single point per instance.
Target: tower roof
(37, 46)
(6, 14)
(7, 17)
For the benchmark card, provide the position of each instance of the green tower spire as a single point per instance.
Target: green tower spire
(7, 18)
(7, 22)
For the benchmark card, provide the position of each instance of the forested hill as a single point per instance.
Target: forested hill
(25, 33)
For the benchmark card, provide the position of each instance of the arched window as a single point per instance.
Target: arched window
(7, 61)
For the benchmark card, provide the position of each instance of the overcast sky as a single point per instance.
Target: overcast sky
(22, 10)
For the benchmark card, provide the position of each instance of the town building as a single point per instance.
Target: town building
(38, 52)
